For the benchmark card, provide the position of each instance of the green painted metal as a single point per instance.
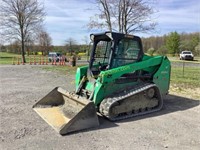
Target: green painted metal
(80, 73)
(162, 77)
(108, 76)
(105, 84)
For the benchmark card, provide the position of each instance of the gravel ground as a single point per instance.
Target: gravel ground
(176, 126)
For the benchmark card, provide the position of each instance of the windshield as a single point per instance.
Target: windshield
(108, 54)
(100, 57)
(186, 52)
(127, 51)
(102, 52)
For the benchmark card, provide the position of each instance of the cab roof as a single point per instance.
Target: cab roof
(107, 36)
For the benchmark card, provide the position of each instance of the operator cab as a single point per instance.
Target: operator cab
(111, 50)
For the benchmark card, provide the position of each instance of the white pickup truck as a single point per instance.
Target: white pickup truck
(186, 55)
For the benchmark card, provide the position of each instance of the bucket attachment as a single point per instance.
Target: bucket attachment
(67, 112)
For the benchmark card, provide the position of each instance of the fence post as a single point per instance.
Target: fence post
(183, 67)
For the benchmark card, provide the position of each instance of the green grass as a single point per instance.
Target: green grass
(190, 78)
(196, 59)
(7, 58)
(5, 54)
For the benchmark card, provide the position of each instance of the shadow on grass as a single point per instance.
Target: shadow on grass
(172, 103)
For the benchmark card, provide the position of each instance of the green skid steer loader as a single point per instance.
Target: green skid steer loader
(120, 82)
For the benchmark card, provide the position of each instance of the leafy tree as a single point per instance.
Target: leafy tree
(195, 41)
(197, 50)
(162, 50)
(185, 45)
(154, 41)
(173, 43)
(190, 43)
(151, 51)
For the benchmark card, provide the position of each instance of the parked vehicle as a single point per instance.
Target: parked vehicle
(186, 55)
(55, 56)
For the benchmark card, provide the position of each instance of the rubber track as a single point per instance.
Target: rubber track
(108, 103)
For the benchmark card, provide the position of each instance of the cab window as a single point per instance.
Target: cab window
(126, 52)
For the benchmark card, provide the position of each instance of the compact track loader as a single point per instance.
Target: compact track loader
(119, 82)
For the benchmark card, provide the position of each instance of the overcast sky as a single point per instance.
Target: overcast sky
(68, 18)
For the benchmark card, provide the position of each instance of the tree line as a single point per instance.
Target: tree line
(172, 43)
(35, 49)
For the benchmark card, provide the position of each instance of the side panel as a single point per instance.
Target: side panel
(162, 77)
(111, 75)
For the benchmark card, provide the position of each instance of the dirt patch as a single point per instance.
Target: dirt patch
(176, 126)
(191, 93)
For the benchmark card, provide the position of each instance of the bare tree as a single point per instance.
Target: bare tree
(45, 42)
(70, 43)
(86, 40)
(20, 19)
(1, 42)
(15, 47)
(124, 16)
(29, 45)
(86, 43)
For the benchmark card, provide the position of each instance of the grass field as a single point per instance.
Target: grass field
(7, 58)
(190, 78)
(196, 59)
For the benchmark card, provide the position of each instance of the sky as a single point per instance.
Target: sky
(68, 18)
